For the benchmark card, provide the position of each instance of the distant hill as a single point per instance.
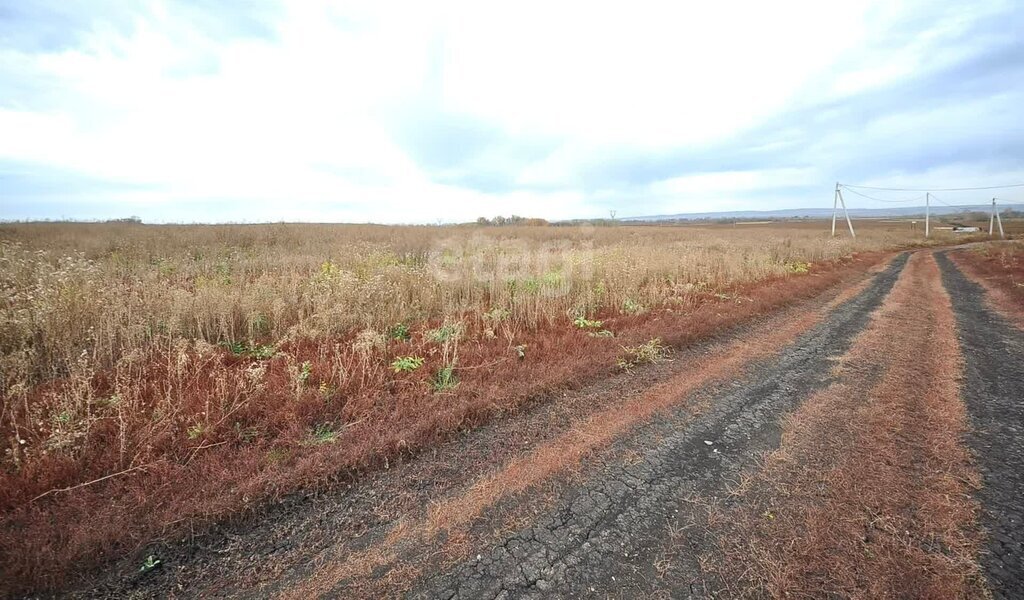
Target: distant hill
(825, 213)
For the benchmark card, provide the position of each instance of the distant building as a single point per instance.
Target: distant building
(963, 229)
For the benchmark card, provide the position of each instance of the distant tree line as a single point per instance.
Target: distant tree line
(500, 221)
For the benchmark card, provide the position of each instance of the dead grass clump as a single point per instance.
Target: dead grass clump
(649, 352)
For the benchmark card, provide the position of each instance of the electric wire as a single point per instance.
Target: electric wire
(963, 207)
(965, 189)
(914, 199)
(941, 201)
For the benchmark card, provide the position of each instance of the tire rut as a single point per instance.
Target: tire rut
(601, 536)
(993, 351)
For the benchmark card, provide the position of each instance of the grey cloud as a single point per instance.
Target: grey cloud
(56, 25)
(19, 180)
(987, 67)
(456, 148)
(39, 27)
(42, 26)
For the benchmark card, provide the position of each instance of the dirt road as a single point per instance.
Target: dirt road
(994, 392)
(868, 442)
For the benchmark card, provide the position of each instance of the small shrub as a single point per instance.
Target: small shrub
(631, 307)
(444, 379)
(445, 334)
(798, 267)
(406, 364)
(304, 372)
(584, 323)
(149, 564)
(399, 332)
(250, 350)
(495, 315)
(323, 433)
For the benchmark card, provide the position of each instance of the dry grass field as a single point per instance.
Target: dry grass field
(189, 372)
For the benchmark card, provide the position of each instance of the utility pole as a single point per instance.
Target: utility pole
(846, 213)
(995, 218)
(837, 200)
(927, 213)
(835, 204)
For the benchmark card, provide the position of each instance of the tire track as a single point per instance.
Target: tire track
(587, 541)
(994, 392)
(869, 494)
(997, 296)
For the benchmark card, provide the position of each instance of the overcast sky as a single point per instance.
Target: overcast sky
(427, 111)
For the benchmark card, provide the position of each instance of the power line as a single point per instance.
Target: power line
(914, 199)
(962, 207)
(934, 197)
(965, 189)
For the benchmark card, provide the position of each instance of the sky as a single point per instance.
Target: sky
(426, 112)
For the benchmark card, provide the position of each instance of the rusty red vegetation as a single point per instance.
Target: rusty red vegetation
(261, 447)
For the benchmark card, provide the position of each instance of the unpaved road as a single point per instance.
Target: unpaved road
(612, 491)
(994, 392)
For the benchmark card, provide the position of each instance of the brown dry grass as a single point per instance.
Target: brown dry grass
(110, 289)
(999, 268)
(869, 494)
(114, 385)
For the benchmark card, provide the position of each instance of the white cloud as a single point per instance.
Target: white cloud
(295, 123)
(647, 75)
